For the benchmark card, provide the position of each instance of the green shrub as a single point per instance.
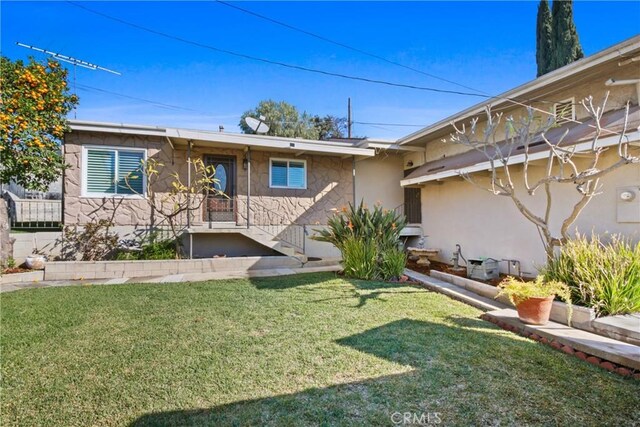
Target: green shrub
(368, 241)
(603, 276)
(151, 249)
(381, 225)
(11, 262)
(392, 263)
(161, 249)
(360, 258)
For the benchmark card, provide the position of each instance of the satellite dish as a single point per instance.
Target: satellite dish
(258, 125)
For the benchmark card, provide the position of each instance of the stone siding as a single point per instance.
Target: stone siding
(329, 184)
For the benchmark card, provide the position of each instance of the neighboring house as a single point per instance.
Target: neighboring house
(33, 209)
(276, 190)
(485, 225)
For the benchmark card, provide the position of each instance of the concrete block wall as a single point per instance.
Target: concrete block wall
(78, 270)
(42, 241)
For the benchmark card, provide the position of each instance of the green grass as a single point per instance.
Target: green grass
(303, 350)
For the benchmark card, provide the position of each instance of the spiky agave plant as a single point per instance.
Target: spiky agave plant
(380, 225)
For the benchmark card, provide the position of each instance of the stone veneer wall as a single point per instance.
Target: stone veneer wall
(329, 184)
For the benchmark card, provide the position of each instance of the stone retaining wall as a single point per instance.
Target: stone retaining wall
(78, 270)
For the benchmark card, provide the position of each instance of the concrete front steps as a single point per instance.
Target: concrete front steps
(254, 233)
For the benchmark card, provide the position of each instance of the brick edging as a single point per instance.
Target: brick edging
(602, 363)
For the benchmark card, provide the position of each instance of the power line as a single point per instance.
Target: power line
(373, 55)
(272, 62)
(343, 45)
(301, 68)
(314, 70)
(148, 101)
(388, 124)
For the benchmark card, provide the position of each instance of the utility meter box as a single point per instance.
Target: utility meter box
(483, 269)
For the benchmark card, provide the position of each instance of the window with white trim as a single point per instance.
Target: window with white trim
(107, 170)
(286, 173)
(564, 111)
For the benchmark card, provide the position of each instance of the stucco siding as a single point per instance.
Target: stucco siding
(378, 180)
(454, 211)
(594, 86)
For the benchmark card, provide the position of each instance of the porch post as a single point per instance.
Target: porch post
(189, 199)
(248, 187)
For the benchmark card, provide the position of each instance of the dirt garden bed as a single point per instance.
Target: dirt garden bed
(446, 268)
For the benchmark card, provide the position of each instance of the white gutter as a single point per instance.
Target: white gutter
(514, 160)
(606, 55)
(116, 128)
(293, 144)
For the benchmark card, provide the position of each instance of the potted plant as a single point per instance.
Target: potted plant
(534, 299)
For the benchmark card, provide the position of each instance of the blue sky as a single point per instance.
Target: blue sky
(489, 46)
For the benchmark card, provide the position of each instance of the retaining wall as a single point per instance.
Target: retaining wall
(78, 270)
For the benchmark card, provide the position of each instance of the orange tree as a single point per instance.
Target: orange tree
(34, 102)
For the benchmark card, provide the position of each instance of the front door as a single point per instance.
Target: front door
(412, 203)
(220, 205)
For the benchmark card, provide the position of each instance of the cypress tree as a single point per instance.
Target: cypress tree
(543, 38)
(565, 45)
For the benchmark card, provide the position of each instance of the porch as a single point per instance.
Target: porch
(268, 193)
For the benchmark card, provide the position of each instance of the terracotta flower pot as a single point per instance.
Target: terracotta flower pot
(535, 311)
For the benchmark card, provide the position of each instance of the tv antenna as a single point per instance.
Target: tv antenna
(73, 61)
(258, 125)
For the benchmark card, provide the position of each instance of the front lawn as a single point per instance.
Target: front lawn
(299, 350)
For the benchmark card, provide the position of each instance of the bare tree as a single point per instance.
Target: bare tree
(562, 165)
(180, 198)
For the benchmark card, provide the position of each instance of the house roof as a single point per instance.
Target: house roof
(579, 134)
(523, 93)
(180, 137)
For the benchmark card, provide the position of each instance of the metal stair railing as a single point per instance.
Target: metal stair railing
(399, 210)
(277, 226)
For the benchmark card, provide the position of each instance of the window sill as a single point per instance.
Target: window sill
(113, 196)
(275, 187)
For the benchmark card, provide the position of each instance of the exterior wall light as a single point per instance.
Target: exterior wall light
(627, 196)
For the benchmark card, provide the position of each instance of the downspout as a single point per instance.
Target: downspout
(189, 199)
(353, 178)
(248, 187)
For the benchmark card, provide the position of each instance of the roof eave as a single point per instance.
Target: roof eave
(514, 160)
(608, 54)
(276, 143)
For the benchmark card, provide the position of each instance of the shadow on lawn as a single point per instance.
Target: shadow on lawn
(290, 281)
(363, 290)
(450, 366)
